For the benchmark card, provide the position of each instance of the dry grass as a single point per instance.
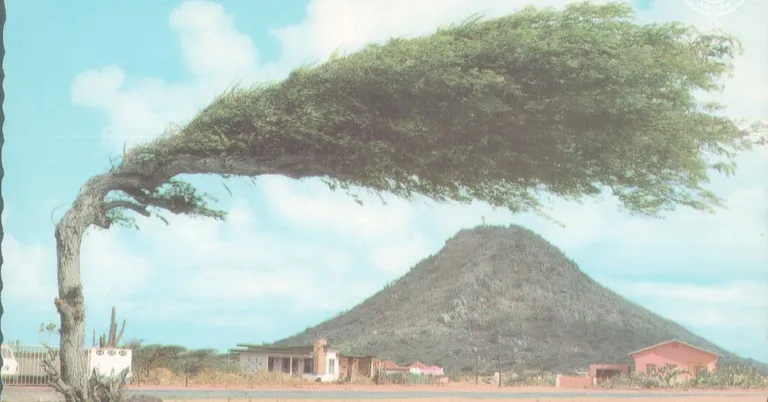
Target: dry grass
(216, 379)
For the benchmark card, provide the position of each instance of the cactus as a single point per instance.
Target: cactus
(114, 336)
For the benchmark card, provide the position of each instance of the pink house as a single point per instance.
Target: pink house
(677, 353)
(421, 368)
(390, 367)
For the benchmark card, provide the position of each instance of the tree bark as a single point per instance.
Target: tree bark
(85, 211)
(71, 308)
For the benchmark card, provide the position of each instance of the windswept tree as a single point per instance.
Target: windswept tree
(566, 102)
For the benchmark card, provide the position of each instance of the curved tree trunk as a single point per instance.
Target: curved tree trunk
(90, 209)
(73, 380)
(71, 307)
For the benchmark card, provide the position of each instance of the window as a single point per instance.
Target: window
(650, 369)
(308, 366)
(331, 366)
(699, 370)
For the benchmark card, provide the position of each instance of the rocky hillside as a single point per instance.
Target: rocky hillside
(500, 291)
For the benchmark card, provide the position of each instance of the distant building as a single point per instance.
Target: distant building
(390, 367)
(316, 361)
(604, 371)
(355, 367)
(421, 368)
(692, 359)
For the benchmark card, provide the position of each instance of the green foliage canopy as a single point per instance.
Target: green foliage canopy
(563, 102)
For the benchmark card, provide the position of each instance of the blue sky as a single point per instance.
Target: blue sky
(85, 78)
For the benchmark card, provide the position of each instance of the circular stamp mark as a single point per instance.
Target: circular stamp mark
(715, 8)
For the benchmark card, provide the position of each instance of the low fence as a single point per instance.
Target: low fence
(23, 365)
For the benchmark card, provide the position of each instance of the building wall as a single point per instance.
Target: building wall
(251, 362)
(682, 356)
(569, 382)
(331, 364)
(110, 361)
(321, 360)
(357, 367)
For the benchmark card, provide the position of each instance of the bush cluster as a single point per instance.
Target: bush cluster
(726, 377)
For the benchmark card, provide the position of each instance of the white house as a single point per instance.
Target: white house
(316, 361)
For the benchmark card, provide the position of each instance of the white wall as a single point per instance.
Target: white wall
(110, 361)
(331, 355)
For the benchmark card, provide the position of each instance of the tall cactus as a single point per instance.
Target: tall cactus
(114, 336)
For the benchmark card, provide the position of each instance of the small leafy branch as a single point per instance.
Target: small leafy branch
(47, 329)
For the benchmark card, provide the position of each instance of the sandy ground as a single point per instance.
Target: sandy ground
(535, 399)
(447, 388)
(411, 393)
(454, 388)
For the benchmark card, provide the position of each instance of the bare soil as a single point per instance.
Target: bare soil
(540, 394)
(452, 388)
(537, 399)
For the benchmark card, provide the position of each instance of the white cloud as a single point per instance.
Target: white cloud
(238, 263)
(110, 271)
(347, 25)
(313, 205)
(217, 55)
(237, 260)
(28, 273)
(212, 47)
(746, 93)
(737, 304)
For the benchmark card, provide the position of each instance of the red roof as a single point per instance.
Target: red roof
(389, 364)
(676, 341)
(418, 365)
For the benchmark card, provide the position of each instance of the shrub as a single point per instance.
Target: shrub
(103, 388)
(633, 381)
(730, 377)
(726, 377)
(405, 378)
(530, 379)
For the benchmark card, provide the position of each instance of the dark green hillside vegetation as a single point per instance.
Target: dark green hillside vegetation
(494, 283)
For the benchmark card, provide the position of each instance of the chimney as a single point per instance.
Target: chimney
(318, 356)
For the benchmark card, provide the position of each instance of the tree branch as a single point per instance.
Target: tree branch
(139, 209)
(52, 372)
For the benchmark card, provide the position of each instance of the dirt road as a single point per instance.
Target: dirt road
(408, 394)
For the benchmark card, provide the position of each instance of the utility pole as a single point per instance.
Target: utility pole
(477, 366)
(499, 360)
